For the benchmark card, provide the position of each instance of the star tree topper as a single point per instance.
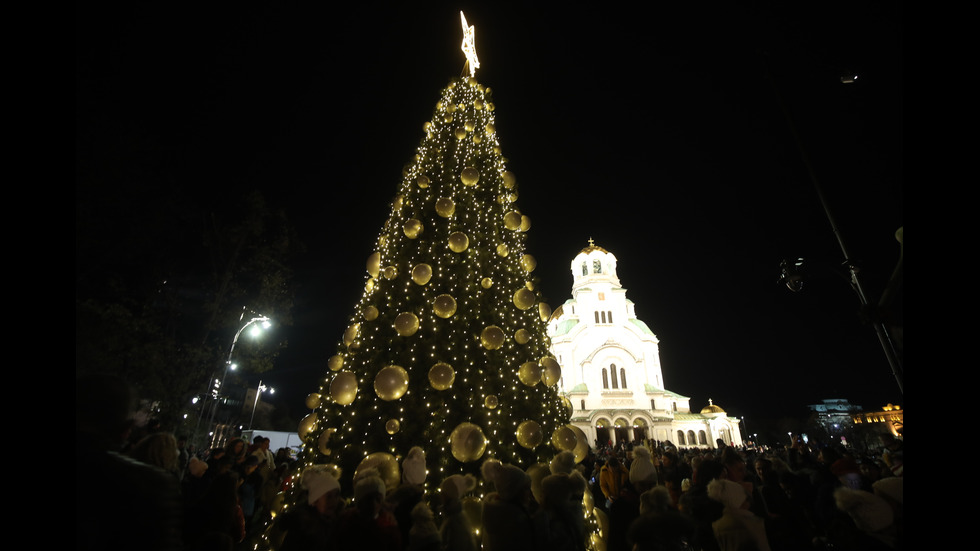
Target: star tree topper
(469, 45)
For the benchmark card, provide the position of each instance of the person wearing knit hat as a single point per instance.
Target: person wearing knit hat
(565, 521)
(424, 534)
(508, 523)
(872, 514)
(413, 467)
(312, 525)
(456, 532)
(536, 473)
(738, 527)
(318, 484)
(643, 474)
(368, 524)
(563, 463)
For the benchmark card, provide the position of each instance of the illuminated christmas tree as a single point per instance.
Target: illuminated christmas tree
(447, 347)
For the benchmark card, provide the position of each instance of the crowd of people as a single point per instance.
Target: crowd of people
(151, 492)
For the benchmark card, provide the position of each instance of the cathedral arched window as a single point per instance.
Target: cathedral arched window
(622, 376)
(680, 438)
(610, 316)
(585, 269)
(691, 437)
(702, 438)
(613, 369)
(605, 378)
(597, 266)
(583, 404)
(603, 317)
(597, 316)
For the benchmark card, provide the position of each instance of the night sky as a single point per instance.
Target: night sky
(686, 142)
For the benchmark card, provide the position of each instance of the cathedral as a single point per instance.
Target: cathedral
(611, 371)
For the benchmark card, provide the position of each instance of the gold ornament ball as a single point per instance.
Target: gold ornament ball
(509, 179)
(486, 283)
(529, 373)
(343, 388)
(477, 138)
(391, 383)
(478, 104)
(445, 207)
(544, 310)
(582, 447)
(423, 181)
(458, 242)
(551, 371)
(374, 264)
(524, 298)
(421, 274)
(335, 362)
(351, 334)
(525, 223)
(444, 306)
(307, 425)
(370, 313)
(529, 263)
(460, 133)
(491, 402)
(467, 442)
(392, 426)
(469, 126)
(503, 249)
(370, 284)
(391, 272)
(406, 324)
(564, 439)
(522, 336)
(470, 176)
(413, 228)
(529, 285)
(492, 337)
(512, 220)
(448, 117)
(567, 404)
(387, 466)
(441, 376)
(490, 129)
(323, 443)
(312, 400)
(398, 203)
(529, 434)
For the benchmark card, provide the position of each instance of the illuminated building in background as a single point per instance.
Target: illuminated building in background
(611, 371)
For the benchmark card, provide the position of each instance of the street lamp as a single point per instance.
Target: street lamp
(258, 391)
(258, 323)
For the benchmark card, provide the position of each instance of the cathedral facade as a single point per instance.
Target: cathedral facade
(611, 371)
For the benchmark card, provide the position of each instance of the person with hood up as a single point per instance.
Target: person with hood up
(738, 529)
(508, 521)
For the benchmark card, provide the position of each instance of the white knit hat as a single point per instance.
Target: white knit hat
(728, 493)
(413, 467)
(870, 513)
(368, 481)
(318, 480)
(457, 485)
(508, 480)
(642, 469)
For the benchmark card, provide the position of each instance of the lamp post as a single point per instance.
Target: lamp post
(216, 385)
(258, 391)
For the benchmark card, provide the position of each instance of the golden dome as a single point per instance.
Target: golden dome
(711, 408)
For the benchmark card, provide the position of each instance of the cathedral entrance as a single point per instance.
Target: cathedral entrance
(602, 436)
